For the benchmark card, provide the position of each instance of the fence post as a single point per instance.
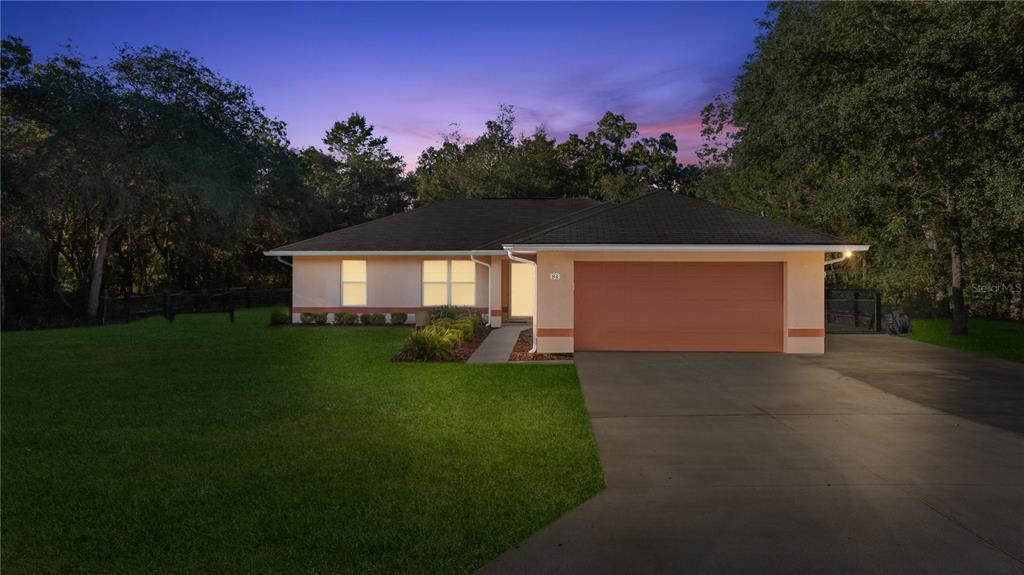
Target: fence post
(248, 297)
(167, 306)
(856, 310)
(878, 312)
(231, 311)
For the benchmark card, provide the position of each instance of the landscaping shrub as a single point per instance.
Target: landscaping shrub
(374, 319)
(306, 318)
(320, 318)
(399, 318)
(432, 343)
(345, 318)
(278, 317)
(443, 322)
(466, 326)
(447, 312)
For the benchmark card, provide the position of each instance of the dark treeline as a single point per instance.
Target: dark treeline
(896, 125)
(151, 172)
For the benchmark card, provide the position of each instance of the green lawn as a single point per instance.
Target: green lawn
(989, 337)
(202, 446)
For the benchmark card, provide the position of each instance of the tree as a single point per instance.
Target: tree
(359, 178)
(150, 156)
(898, 125)
(611, 162)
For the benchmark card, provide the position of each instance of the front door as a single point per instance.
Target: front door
(521, 292)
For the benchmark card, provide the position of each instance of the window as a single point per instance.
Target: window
(449, 282)
(463, 282)
(353, 282)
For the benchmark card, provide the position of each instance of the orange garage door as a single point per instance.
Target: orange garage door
(676, 306)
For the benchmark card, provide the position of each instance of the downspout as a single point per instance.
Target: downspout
(536, 278)
(488, 266)
(284, 262)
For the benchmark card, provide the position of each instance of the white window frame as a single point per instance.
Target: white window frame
(365, 284)
(448, 283)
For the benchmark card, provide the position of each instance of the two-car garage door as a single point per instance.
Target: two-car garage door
(678, 306)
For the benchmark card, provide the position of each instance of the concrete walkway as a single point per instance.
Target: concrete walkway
(878, 457)
(498, 345)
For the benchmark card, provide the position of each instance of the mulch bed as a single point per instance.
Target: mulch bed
(521, 351)
(469, 346)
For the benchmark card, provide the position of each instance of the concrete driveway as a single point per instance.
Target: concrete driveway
(882, 456)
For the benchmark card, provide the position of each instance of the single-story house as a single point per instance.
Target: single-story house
(662, 272)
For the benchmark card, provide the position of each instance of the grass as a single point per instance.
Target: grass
(1001, 339)
(202, 446)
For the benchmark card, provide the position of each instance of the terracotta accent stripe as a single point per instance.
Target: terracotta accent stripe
(554, 332)
(806, 332)
(361, 309)
(495, 313)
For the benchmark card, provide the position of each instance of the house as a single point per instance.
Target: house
(662, 272)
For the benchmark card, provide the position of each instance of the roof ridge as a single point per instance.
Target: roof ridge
(609, 205)
(559, 221)
(751, 214)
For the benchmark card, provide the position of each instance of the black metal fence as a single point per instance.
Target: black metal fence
(169, 304)
(852, 311)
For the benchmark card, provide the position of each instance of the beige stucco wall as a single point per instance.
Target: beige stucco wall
(804, 299)
(392, 283)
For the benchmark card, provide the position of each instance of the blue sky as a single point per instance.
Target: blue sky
(415, 70)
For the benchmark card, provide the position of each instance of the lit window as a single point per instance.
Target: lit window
(463, 282)
(353, 282)
(449, 282)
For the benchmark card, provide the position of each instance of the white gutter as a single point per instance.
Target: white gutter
(846, 255)
(535, 280)
(534, 248)
(385, 253)
(488, 266)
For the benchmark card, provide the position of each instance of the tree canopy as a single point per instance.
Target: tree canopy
(899, 125)
(152, 172)
(610, 163)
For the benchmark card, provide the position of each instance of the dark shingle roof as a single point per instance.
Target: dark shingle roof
(450, 225)
(667, 218)
(659, 218)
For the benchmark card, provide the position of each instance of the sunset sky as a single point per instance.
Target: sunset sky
(415, 70)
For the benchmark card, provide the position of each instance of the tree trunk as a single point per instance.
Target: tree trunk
(96, 281)
(1016, 303)
(958, 325)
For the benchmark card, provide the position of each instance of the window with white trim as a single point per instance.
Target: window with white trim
(449, 282)
(353, 282)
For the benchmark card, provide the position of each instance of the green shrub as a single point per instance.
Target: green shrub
(278, 317)
(399, 318)
(431, 343)
(447, 312)
(466, 326)
(374, 319)
(345, 318)
(320, 318)
(443, 322)
(306, 318)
